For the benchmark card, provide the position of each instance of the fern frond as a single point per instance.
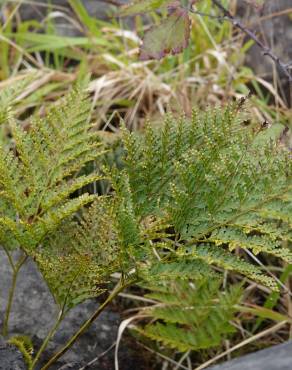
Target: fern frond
(236, 238)
(71, 278)
(217, 185)
(278, 210)
(274, 229)
(126, 221)
(77, 261)
(64, 190)
(191, 315)
(54, 217)
(150, 162)
(40, 171)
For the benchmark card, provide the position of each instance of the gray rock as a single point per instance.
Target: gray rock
(275, 358)
(100, 9)
(34, 312)
(10, 358)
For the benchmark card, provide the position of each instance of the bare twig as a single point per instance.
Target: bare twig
(284, 67)
(112, 2)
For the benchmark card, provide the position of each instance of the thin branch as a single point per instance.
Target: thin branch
(112, 2)
(284, 67)
(202, 14)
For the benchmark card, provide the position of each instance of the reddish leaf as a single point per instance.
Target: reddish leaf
(171, 36)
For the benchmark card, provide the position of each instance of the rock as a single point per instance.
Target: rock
(34, 311)
(72, 366)
(275, 358)
(10, 357)
(100, 9)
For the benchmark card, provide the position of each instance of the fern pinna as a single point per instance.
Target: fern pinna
(78, 259)
(9, 97)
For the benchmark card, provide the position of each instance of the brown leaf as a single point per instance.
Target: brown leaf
(171, 36)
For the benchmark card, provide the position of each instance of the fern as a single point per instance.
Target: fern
(183, 269)
(8, 98)
(182, 198)
(39, 171)
(211, 254)
(217, 184)
(78, 259)
(190, 315)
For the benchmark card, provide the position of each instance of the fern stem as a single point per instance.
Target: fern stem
(47, 339)
(9, 256)
(120, 287)
(15, 269)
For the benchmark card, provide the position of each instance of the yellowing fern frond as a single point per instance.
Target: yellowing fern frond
(40, 170)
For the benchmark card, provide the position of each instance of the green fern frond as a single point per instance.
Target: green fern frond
(279, 210)
(54, 217)
(40, 169)
(78, 259)
(64, 191)
(150, 162)
(236, 238)
(125, 221)
(252, 224)
(191, 315)
(71, 278)
(216, 185)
